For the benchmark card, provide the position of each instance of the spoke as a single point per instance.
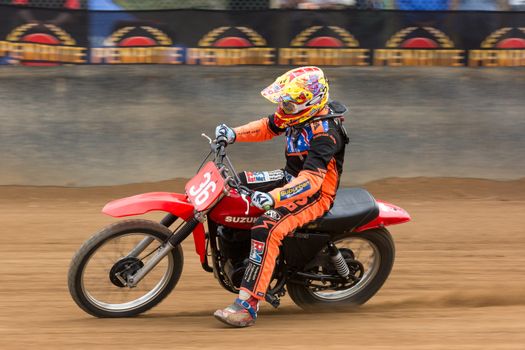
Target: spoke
(365, 261)
(106, 266)
(124, 294)
(357, 252)
(145, 282)
(114, 248)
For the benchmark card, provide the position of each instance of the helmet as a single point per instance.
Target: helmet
(301, 93)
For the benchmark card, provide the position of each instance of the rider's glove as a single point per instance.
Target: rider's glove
(224, 133)
(262, 200)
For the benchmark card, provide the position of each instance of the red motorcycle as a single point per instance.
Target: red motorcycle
(342, 258)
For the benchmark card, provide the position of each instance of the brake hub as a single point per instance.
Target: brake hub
(123, 269)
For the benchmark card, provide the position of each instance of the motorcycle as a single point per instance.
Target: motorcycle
(340, 259)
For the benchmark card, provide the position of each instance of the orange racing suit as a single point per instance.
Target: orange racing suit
(304, 191)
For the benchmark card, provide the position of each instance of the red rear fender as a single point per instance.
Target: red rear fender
(174, 203)
(389, 214)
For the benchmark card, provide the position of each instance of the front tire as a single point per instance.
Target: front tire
(91, 278)
(382, 246)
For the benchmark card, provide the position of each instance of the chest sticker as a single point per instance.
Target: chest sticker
(253, 177)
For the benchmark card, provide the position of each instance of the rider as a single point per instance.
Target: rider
(303, 191)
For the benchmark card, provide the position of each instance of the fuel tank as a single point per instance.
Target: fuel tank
(231, 212)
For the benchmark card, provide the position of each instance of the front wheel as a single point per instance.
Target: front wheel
(370, 255)
(99, 269)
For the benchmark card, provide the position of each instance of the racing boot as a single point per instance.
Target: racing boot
(242, 313)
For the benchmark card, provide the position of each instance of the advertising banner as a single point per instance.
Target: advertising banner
(270, 37)
(40, 37)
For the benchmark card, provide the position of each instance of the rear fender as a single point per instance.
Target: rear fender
(174, 203)
(389, 214)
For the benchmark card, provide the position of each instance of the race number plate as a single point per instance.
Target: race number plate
(205, 187)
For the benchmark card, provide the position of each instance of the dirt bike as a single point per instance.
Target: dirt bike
(342, 258)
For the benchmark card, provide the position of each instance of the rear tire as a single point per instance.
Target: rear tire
(381, 239)
(82, 257)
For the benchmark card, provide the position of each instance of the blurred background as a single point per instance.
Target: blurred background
(100, 125)
(126, 93)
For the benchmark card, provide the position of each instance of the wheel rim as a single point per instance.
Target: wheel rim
(365, 252)
(101, 292)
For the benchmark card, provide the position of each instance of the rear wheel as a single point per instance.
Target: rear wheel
(369, 256)
(98, 271)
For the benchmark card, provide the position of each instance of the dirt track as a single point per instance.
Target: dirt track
(458, 281)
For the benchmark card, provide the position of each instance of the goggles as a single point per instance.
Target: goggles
(290, 108)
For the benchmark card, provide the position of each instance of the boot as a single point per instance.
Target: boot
(242, 313)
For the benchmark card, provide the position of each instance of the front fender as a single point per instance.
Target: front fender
(174, 203)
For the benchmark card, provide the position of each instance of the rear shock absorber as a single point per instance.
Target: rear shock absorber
(338, 260)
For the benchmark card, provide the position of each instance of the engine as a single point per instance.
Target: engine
(234, 245)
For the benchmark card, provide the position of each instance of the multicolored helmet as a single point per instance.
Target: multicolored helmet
(301, 93)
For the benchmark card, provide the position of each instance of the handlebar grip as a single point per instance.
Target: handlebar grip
(222, 141)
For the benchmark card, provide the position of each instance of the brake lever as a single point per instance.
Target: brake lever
(245, 193)
(207, 137)
(244, 198)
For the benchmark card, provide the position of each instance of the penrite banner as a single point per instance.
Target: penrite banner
(38, 37)
(272, 37)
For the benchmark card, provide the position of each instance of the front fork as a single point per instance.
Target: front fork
(175, 239)
(167, 221)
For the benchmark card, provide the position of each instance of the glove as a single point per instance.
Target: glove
(262, 200)
(224, 133)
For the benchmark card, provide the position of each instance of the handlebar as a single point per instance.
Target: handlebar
(233, 181)
(218, 147)
(221, 140)
(226, 169)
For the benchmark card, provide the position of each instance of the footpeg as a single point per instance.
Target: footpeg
(273, 300)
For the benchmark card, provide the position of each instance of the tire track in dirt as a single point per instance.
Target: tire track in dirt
(458, 299)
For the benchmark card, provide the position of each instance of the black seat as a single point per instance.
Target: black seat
(353, 207)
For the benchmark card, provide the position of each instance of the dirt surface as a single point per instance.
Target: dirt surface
(457, 282)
